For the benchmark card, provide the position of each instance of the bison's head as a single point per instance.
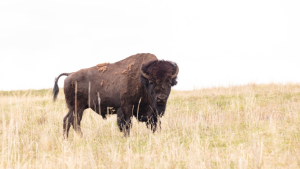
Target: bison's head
(158, 76)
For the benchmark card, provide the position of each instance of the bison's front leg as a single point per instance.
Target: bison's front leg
(124, 116)
(152, 123)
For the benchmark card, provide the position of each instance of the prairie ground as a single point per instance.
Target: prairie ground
(249, 126)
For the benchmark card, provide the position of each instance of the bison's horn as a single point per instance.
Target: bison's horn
(144, 74)
(177, 70)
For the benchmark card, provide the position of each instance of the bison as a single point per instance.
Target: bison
(136, 86)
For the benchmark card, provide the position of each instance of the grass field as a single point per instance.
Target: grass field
(250, 126)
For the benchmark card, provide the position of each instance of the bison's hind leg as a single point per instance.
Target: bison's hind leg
(67, 123)
(71, 119)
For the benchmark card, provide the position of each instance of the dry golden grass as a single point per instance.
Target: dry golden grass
(250, 126)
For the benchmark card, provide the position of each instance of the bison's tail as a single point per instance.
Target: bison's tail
(55, 88)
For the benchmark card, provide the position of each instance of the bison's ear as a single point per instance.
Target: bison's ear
(174, 76)
(174, 82)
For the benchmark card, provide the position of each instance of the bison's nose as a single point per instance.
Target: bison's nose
(161, 99)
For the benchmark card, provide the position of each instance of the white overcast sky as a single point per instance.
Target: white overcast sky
(213, 42)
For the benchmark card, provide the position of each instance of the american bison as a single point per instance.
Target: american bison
(136, 86)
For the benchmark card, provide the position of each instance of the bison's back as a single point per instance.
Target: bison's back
(111, 81)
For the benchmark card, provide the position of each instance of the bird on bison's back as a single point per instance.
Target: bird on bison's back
(136, 86)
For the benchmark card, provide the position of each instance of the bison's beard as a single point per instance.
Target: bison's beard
(161, 109)
(158, 109)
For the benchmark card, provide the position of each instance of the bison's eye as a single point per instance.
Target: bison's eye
(151, 82)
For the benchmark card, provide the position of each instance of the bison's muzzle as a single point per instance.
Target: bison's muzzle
(161, 100)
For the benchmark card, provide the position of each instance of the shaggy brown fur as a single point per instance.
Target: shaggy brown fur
(103, 69)
(120, 91)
